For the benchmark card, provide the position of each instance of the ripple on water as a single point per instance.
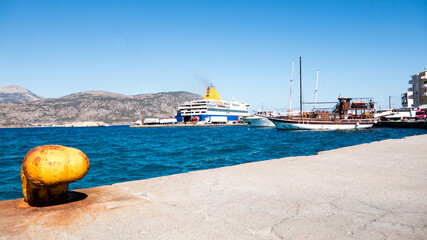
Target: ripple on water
(119, 154)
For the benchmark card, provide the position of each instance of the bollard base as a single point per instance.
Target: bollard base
(39, 196)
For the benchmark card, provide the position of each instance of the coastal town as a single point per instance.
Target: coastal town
(212, 110)
(46, 176)
(347, 114)
(197, 120)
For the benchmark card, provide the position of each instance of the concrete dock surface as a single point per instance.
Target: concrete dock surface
(370, 191)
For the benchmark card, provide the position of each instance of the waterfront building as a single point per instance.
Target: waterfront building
(407, 99)
(416, 96)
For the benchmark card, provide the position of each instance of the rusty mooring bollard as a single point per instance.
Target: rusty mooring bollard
(47, 170)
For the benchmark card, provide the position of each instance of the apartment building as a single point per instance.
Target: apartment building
(416, 97)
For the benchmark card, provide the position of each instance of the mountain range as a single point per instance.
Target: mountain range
(19, 107)
(17, 94)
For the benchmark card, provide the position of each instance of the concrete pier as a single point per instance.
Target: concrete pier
(370, 191)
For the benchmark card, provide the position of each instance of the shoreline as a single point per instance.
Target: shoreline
(368, 191)
(17, 127)
(188, 125)
(128, 125)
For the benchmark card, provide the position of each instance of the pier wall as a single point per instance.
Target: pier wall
(369, 191)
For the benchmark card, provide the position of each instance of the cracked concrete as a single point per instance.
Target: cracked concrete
(369, 191)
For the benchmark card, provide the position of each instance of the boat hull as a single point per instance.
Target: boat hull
(322, 125)
(257, 121)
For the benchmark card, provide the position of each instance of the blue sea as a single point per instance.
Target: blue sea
(120, 153)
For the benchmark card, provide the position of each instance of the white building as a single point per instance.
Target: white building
(407, 99)
(416, 97)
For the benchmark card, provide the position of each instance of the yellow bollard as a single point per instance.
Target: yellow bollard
(47, 170)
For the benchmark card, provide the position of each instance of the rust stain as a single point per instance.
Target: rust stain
(18, 216)
(36, 161)
(53, 147)
(23, 205)
(84, 157)
(32, 150)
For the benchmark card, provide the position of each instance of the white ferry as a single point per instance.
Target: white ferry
(211, 107)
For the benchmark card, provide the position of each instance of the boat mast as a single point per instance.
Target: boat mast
(300, 86)
(315, 92)
(292, 78)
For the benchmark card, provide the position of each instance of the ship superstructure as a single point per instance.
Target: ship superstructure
(211, 107)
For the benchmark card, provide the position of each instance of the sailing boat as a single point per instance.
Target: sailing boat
(347, 114)
(291, 111)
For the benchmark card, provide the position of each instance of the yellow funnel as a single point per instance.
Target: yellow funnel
(211, 93)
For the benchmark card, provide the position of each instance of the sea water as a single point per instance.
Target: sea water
(120, 153)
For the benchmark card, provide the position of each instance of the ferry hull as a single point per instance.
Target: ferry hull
(317, 125)
(258, 122)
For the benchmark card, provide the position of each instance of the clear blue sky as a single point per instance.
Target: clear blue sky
(362, 48)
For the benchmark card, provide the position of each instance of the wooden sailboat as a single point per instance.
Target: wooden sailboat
(347, 114)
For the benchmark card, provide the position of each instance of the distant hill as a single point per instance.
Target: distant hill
(17, 94)
(98, 106)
